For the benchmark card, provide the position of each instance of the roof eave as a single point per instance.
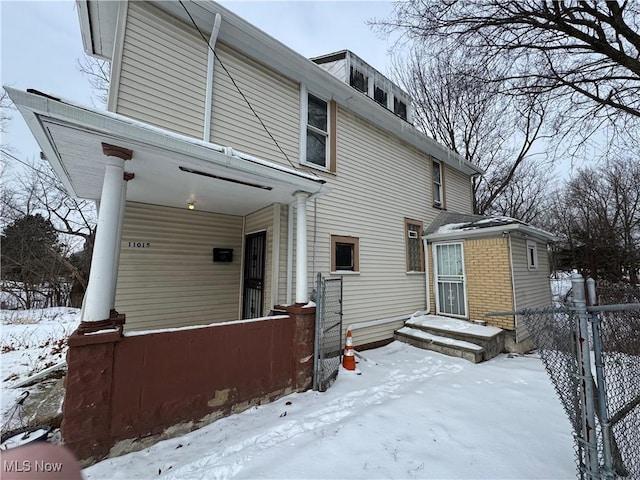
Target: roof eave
(32, 105)
(528, 231)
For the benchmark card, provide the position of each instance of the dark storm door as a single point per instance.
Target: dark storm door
(254, 256)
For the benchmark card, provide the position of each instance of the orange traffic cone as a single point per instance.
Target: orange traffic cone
(349, 359)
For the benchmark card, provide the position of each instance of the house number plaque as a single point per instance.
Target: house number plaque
(139, 244)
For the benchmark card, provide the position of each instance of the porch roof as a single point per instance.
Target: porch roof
(169, 169)
(452, 225)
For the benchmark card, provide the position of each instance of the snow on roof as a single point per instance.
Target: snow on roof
(451, 222)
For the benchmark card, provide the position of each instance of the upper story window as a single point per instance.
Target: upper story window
(317, 131)
(380, 96)
(438, 185)
(318, 137)
(400, 108)
(532, 255)
(358, 81)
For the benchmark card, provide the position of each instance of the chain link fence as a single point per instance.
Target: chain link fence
(328, 341)
(592, 355)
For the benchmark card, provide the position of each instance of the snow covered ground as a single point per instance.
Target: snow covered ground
(30, 341)
(406, 413)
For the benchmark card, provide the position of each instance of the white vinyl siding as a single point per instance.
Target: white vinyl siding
(457, 191)
(162, 72)
(174, 282)
(273, 97)
(379, 183)
(532, 286)
(262, 220)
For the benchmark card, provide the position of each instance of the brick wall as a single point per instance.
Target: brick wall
(123, 389)
(488, 275)
(489, 286)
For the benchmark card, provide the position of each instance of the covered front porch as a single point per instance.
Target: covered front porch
(194, 241)
(189, 232)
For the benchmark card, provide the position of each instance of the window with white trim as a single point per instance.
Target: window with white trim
(414, 250)
(317, 131)
(438, 190)
(532, 255)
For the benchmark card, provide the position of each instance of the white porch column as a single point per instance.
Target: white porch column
(116, 259)
(302, 294)
(98, 297)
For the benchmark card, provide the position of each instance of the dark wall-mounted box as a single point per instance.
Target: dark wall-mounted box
(223, 254)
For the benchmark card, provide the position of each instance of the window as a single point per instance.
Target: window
(318, 131)
(400, 108)
(380, 96)
(532, 255)
(345, 252)
(438, 185)
(414, 250)
(358, 81)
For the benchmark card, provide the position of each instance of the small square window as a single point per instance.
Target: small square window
(380, 96)
(344, 254)
(358, 81)
(532, 255)
(400, 108)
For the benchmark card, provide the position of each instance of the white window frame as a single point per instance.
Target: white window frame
(437, 185)
(532, 255)
(304, 126)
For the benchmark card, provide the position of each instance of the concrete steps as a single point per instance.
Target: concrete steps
(453, 337)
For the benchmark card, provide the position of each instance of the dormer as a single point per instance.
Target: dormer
(351, 69)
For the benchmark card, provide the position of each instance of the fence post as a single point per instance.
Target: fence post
(603, 414)
(579, 308)
(319, 326)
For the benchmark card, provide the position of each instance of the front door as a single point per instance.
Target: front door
(254, 257)
(451, 298)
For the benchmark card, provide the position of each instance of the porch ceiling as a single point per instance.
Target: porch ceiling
(170, 169)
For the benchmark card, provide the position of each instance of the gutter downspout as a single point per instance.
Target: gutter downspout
(513, 285)
(206, 133)
(426, 275)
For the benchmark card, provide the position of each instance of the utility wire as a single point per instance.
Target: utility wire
(236, 85)
(13, 157)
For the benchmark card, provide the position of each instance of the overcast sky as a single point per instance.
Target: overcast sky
(41, 44)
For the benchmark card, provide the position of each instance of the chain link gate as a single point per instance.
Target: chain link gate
(592, 356)
(328, 338)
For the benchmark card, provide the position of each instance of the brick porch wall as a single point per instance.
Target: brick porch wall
(123, 389)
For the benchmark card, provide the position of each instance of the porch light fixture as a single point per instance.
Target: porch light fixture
(191, 204)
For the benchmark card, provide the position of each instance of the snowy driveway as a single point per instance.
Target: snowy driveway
(409, 414)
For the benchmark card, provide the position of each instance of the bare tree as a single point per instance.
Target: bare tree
(40, 192)
(597, 215)
(475, 119)
(98, 73)
(5, 116)
(583, 55)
